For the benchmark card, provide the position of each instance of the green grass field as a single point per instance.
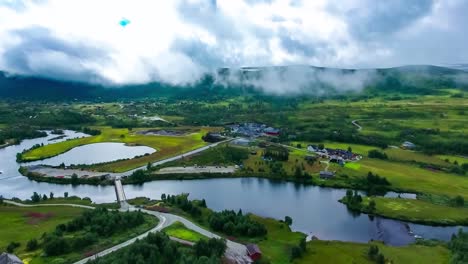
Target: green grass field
(166, 146)
(347, 252)
(451, 158)
(179, 230)
(411, 178)
(279, 241)
(419, 211)
(21, 224)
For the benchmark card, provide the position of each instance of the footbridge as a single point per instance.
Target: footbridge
(119, 192)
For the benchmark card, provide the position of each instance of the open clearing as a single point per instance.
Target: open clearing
(178, 230)
(21, 224)
(419, 211)
(347, 252)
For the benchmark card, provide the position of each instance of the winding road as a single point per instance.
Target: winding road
(235, 251)
(356, 124)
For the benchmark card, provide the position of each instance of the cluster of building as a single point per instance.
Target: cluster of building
(253, 130)
(335, 155)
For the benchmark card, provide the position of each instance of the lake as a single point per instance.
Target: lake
(315, 210)
(96, 153)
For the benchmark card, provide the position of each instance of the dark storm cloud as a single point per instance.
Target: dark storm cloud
(35, 41)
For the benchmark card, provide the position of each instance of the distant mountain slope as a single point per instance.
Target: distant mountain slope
(259, 81)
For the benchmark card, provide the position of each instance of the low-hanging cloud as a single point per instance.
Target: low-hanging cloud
(295, 80)
(178, 42)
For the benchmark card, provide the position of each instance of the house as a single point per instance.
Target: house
(254, 252)
(312, 148)
(6, 258)
(326, 174)
(241, 142)
(408, 145)
(271, 131)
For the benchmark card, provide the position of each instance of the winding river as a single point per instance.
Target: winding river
(315, 210)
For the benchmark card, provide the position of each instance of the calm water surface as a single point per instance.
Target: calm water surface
(96, 153)
(315, 210)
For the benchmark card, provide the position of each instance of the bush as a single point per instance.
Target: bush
(376, 154)
(12, 246)
(32, 245)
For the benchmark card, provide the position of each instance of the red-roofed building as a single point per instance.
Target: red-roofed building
(254, 252)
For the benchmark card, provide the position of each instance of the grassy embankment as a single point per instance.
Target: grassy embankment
(348, 252)
(417, 211)
(178, 230)
(166, 146)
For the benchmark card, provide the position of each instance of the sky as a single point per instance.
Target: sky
(178, 41)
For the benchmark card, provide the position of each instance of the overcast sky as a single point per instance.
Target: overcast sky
(177, 41)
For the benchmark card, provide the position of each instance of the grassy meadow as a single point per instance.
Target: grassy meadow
(419, 211)
(178, 230)
(21, 224)
(348, 252)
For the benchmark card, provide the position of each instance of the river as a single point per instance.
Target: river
(315, 210)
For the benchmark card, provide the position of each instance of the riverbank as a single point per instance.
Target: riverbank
(412, 210)
(347, 252)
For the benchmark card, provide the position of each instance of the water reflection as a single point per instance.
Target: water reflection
(315, 210)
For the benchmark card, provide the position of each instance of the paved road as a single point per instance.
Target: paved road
(43, 205)
(326, 162)
(356, 124)
(195, 169)
(234, 251)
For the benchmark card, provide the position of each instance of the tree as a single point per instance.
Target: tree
(303, 244)
(203, 203)
(296, 252)
(44, 197)
(380, 259)
(32, 245)
(56, 246)
(372, 206)
(459, 201)
(35, 198)
(149, 166)
(65, 194)
(298, 172)
(373, 252)
(51, 196)
(288, 220)
(350, 149)
(74, 179)
(321, 146)
(163, 196)
(12, 246)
